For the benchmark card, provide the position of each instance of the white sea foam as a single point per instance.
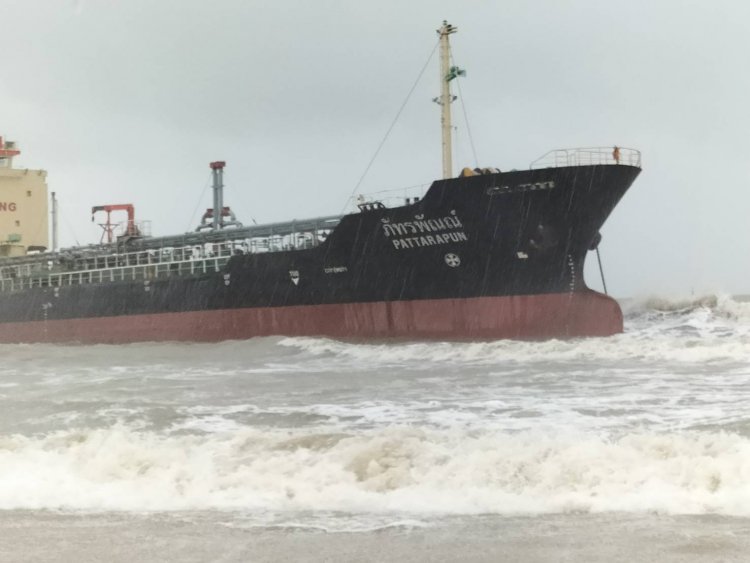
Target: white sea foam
(620, 347)
(685, 330)
(393, 470)
(706, 329)
(654, 419)
(721, 305)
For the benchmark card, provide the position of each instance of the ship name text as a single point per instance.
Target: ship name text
(429, 240)
(533, 186)
(7, 205)
(424, 232)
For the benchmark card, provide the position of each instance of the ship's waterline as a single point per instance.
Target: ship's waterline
(552, 315)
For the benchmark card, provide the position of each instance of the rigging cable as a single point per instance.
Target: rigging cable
(466, 117)
(400, 188)
(387, 133)
(191, 226)
(601, 270)
(67, 223)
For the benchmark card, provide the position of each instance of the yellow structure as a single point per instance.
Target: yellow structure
(23, 204)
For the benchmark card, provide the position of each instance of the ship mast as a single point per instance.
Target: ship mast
(447, 73)
(54, 222)
(217, 170)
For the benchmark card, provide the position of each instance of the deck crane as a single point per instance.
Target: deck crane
(131, 230)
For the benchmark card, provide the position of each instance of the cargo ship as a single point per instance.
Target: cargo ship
(482, 255)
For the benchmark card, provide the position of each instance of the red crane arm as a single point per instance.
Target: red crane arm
(108, 226)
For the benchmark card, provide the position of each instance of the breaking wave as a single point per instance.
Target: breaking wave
(395, 470)
(718, 306)
(650, 420)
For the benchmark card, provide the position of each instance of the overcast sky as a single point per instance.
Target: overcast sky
(128, 102)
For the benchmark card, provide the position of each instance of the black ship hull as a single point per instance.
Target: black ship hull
(486, 256)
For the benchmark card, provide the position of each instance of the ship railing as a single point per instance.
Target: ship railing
(145, 265)
(392, 197)
(588, 156)
(121, 273)
(83, 261)
(272, 237)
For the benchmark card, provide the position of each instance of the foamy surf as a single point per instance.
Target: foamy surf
(393, 470)
(705, 329)
(320, 435)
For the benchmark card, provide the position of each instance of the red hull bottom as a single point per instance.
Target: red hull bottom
(556, 315)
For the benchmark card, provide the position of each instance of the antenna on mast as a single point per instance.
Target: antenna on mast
(447, 73)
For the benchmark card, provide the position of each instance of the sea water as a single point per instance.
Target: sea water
(632, 447)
